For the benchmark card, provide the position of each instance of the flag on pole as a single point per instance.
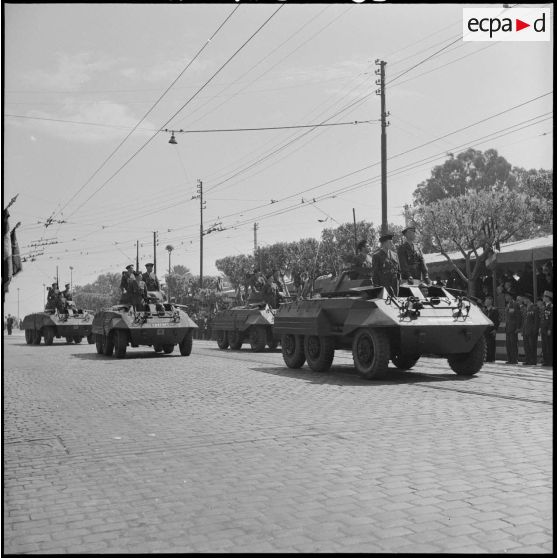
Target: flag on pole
(16, 258)
(7, 268)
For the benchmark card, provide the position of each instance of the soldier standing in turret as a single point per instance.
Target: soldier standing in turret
(411, 258)
(150, 279)
(385, 265)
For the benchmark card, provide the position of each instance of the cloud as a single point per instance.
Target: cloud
(166, 71)
(72, 72)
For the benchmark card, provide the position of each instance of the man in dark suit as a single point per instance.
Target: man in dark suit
(490, 334)
(513, 325)
(385, 265)
(530, 329)
(547, 329)
(411, 258)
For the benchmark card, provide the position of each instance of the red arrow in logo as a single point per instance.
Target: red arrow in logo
(519, 25)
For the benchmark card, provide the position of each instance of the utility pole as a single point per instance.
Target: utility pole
(71, 277)
(202, 207)
(255, 238)
(155, 252)
(44, 294)
(137, 255)
(354, 229)
(382, 92)
(57, 277)
(18, 307)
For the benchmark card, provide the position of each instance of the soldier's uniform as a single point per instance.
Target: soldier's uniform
(150, 279)
(125, 297)
(385, 267)
(513, 324)
(411, 260)
(490, 335)
(135, 291)
(547, 331)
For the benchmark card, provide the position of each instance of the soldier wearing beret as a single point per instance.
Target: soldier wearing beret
(411, 258)
(385, 265)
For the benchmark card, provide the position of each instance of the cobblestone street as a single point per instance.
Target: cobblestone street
(228, 451)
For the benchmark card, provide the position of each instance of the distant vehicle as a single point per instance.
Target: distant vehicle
(377, 327)
(252, 323)
(73, 325)
(158, 324)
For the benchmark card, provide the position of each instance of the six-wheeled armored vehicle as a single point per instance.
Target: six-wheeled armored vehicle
(378, 326)
(252, 323)
(74, 324)
(154, 323)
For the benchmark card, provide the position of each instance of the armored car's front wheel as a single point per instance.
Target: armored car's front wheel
(90, 339)
(222, 340)
(99, 343)
(257, 337)
(29, 336)
(78, 339)
(158, 348)
(120, 343)
(371, 353)
(69, 339)
(108, 344)
(36, 337)
(404, 362)
(319, 351)
(185, 345)
(48, 333)
(468, 364)
(235, 340)
(292, 347)
(168, 348)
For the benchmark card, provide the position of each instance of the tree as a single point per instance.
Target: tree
(538, 186)
(102, 293)
(236, 268)
(469, 170)
(475, 224)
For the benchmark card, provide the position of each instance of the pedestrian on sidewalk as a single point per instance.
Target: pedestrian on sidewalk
(530, 329)
(513, 325)
(10, 323)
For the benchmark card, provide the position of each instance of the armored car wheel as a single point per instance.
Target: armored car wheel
(257, 337)
(99, 343)
(120, 343)
(404, 362)
(185, 345)
(29, 336)
(168, 348)
(371, 353)
(158, 348)
(273, 344)
(36, 337)
(222, 340)
(292, 347)
(235, 340)
(48, 333)
(468, 364)
(108, 344)
(319, 351)
(78, 338)
(90, 339)
(69, 339)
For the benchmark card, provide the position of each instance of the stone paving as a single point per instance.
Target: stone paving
(233, 452)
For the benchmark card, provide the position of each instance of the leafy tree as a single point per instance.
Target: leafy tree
(469, 170)
(236, 268)
(102, 293)
(538, 186)
(475, 224)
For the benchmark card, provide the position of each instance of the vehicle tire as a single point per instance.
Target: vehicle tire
(99, 343)
(468, 364)
(36, 337)
(404, 362)
(273, 344)
(29, 336)
(371, 353)
(222, 340)
(78, 339)
(48, 334)
(292, 347)
(235, 339)
(185, 345)
(319, 352)
(168, 348)
(120, 343)
(158, 348)
(108, 344)
(90, 339)
(69, 339)
(257, 338)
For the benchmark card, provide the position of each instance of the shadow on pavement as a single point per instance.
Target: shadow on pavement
(129, 355)
(348, 376)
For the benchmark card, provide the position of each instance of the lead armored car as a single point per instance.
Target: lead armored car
(352, 313)
(73, 324)
(156, 323)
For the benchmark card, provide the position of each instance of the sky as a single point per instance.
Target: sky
(89, 89)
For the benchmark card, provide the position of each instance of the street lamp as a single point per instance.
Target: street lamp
(169, 248)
